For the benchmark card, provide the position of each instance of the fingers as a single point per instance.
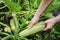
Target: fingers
(45, 22)
(30, 24)
(48, 27)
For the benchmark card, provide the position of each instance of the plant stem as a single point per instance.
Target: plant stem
(4, 24)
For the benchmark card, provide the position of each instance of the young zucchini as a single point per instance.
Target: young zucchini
(36, 28)
(12, 24)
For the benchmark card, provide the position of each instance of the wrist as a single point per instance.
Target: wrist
(36, 16)
(57, 18)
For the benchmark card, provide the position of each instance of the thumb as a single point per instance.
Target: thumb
(47, 27)
(45, 22)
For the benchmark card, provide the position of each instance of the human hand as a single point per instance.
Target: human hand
(33, 21)
(50, 23)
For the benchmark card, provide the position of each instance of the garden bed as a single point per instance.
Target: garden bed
(15, 15)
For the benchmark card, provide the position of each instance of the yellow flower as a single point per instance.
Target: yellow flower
(7, 29)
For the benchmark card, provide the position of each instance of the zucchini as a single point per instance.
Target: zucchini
(12, 24)
(36, 28)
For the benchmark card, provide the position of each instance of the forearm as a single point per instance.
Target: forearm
(57, 18)
(42, 7)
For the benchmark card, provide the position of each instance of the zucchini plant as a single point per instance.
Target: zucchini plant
(15, 15)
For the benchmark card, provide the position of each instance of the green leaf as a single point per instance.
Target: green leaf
(12, 6)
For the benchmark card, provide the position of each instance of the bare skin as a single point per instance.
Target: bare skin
(39, 11)
(49, 22)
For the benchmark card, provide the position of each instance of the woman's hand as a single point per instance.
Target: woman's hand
(33, 21)
(50, 23)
